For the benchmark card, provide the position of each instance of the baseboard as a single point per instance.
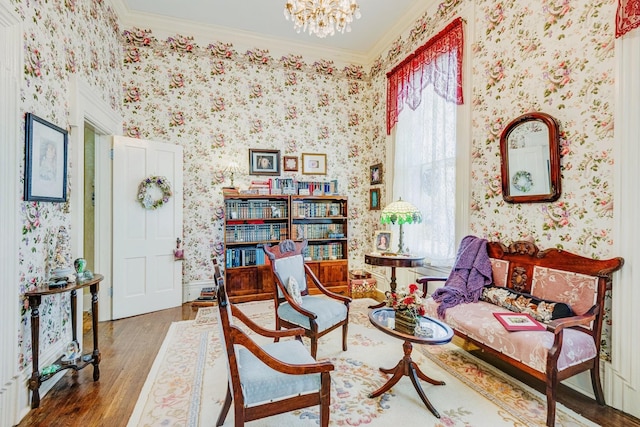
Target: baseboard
(192, 290)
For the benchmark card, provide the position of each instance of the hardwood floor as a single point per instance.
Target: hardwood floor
(129, 347)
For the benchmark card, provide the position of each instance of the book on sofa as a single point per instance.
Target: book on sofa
(519, 322)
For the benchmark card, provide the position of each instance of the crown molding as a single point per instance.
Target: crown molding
(399, 28)
(163, 26)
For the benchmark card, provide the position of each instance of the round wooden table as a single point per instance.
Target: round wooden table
(433, 332)
(393, 261)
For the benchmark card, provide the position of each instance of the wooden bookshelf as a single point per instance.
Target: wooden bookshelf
(251, 221)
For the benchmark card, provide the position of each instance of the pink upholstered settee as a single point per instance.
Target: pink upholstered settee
(569, 345)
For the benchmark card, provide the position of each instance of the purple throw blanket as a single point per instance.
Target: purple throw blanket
(471, 272)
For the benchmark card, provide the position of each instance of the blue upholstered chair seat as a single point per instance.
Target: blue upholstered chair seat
(262, 384)
(330, 312)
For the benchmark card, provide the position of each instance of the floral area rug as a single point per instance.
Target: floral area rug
(187, 383)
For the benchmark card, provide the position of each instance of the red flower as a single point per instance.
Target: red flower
(413, 288)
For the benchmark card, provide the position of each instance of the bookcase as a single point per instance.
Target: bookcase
(252, 221)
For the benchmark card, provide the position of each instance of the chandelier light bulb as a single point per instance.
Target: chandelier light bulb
(322, 17)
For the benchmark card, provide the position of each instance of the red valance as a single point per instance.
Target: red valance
(627, 16)
(437, 62)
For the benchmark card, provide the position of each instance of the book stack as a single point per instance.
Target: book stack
(207, 298)
(405, 322)
(261, 187)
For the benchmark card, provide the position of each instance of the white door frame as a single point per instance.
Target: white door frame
(13, 398)
(87, 107)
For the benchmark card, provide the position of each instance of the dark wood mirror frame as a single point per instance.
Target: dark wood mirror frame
(530, 159)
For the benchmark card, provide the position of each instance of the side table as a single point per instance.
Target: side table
(393, 261)
(93, 358)
(439, 333)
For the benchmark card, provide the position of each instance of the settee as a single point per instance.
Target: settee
(563, 291)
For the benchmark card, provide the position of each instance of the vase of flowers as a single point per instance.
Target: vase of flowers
(408, 307)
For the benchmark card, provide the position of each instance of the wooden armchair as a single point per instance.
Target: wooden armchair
(271, 379)
(295, 308)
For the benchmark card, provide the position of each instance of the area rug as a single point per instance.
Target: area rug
(187, 383)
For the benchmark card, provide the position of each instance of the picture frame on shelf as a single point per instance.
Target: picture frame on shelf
(314, 164)
(290, 163)
(375, 174)
(46, 152)
(374, 199)
(382, 241)
(264, 162)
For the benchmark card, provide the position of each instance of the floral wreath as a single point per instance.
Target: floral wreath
(154, 181)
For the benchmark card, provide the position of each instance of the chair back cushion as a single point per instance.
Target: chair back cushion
(292, 266)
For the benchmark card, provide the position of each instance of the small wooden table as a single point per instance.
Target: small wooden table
(35, 298)
(436, 333)
(393, 261)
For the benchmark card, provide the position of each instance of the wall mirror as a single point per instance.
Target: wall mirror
(530, 159)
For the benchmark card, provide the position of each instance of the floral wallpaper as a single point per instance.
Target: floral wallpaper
(61, 38)
(555, 56)
(218, 101)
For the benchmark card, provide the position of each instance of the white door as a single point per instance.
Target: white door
(146, 277)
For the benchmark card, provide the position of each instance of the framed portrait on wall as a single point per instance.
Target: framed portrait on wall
(375, 173)
(264, 162)
(45, 172)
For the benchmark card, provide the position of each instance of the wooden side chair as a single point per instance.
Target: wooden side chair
(271, 379)
(317, 314)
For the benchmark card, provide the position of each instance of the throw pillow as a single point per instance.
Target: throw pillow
(540, 309)
(293, 289)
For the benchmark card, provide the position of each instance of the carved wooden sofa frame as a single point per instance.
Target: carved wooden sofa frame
(517, 265)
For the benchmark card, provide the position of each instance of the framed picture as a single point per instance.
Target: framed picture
(374, 199)
(382, 241)
(264, 162)
(519, 322)
(375, 173)
(45, 172)
(314, 164)
(290, 163)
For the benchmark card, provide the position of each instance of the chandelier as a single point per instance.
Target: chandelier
(322, 17)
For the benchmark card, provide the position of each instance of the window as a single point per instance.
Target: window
(431, 147)
(425, 175)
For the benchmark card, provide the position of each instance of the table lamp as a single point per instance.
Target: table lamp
(400, 212)
(231, 169)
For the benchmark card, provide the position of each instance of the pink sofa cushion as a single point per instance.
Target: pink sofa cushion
(576, 290)
(499, 270)
(477, 321)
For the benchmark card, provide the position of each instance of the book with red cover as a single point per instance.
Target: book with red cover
(519, 322)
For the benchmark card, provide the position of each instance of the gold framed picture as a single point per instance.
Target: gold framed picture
(314, 164)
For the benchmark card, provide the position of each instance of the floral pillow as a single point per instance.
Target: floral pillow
(539, 309)
(293, 289)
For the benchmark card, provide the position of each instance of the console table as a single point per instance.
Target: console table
(93, 358)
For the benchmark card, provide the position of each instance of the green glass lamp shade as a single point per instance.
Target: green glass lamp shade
(400, 212)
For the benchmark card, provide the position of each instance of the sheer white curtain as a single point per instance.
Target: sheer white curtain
(425, 175)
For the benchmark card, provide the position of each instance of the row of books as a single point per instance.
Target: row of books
(327, 251)
(306, 188)
(303, 209)
(255, 232)
(256, 209)
(242, 257)
(317, 231)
